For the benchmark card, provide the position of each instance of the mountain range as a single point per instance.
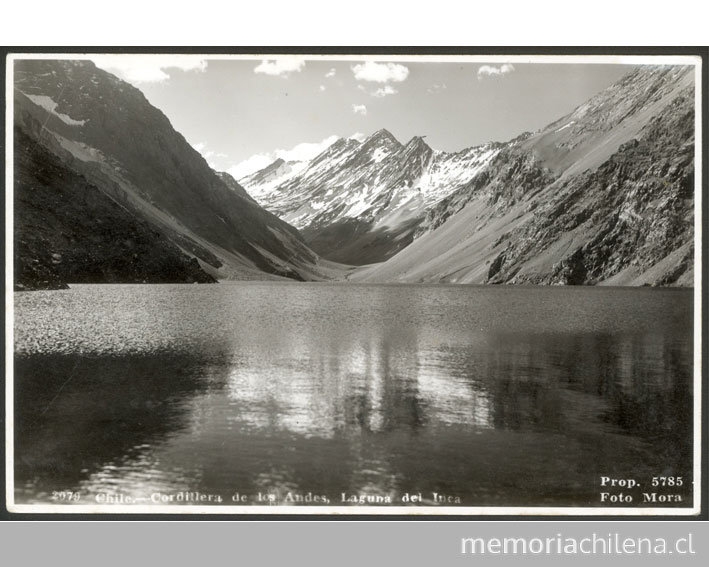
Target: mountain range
(604, 195)
(107, 191)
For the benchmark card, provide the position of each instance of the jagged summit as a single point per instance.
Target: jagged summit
(381, 140)
(382, 135)
(416, 144)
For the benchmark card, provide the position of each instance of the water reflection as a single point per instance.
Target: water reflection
(74, 413)
(355, 389)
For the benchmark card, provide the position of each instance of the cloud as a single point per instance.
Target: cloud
(358, 136)
(300, 152)
(492, 71)
(306, 150)
(384, 91)
(330, 73)
(322, 88)
(208, 155)
(281, 67)
(359, 109)
(378, 92)
(148, 68)
(437, 88)
(250, 165)
(380, 72)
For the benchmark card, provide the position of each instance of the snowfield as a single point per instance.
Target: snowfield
(379, 179)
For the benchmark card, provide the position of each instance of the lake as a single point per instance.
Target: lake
(253, 393)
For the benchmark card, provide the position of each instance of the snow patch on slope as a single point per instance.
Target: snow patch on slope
(565, 126)
(379, 154)
(50, 106)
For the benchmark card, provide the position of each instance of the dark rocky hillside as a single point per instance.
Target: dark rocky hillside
(633, 211)
(70, 232)
(233, 184)
(108, 131)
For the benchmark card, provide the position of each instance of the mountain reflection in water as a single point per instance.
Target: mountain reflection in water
(503, 396)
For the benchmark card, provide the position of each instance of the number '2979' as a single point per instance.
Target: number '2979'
(65, 496)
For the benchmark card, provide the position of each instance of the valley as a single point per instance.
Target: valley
(603, 195)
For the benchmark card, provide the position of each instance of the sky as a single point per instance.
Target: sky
(243, 114)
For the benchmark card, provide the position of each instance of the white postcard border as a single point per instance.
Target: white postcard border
(520, 511)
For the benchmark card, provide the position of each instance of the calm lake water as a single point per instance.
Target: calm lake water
(496, 396)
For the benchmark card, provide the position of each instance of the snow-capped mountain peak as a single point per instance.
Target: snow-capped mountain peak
(379, 184)
(382, 136)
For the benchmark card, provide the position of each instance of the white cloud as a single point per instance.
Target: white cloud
(491, 70)
(209, 155)
(359, 109)
(250, 165)
(147, 68)
(281, 67)
(380, 72)
(330, 73)
(384, 91)
(300, 152)
(306, 150)
(322, 88)
(437, 88)
(378, 92)
(358, 136)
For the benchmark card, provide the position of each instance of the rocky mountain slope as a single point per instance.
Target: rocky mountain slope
(106, 131)
(69, 231)
(362, 202)
(604, 195)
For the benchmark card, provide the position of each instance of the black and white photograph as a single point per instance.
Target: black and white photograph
(360, 284)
